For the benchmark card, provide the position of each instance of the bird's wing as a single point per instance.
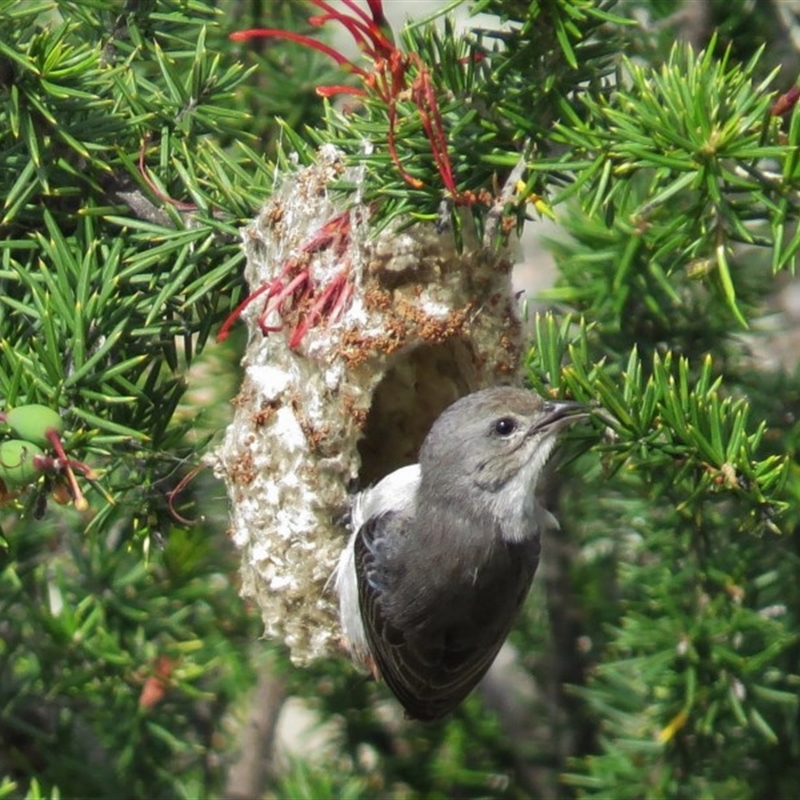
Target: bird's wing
(397, 492)
(434, 663)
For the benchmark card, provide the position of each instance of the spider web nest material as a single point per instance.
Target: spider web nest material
(424, 324)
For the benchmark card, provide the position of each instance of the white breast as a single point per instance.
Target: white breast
(515, 508)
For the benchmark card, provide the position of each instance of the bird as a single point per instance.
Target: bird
(442, 553)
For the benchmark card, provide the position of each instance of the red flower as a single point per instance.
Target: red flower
(294, 287)
(394, 74)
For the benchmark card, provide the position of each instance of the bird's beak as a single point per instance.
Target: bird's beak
(558, 415)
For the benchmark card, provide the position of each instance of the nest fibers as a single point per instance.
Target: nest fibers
(357, 346)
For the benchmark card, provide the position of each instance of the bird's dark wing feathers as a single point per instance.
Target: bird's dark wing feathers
(431, 671)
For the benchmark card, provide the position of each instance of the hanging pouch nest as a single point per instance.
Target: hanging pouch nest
(356, 345)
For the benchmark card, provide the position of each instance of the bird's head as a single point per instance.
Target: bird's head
(491, 438)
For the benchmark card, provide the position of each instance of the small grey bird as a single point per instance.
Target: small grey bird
(443, 552)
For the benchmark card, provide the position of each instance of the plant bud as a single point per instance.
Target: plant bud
(17, 466)
(32, 422)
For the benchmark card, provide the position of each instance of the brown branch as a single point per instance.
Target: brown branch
(522, 708)
(121, 190)
(249, 775)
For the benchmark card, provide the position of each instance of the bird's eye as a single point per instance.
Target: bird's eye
(505, 426)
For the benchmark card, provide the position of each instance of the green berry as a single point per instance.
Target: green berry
(33, 421)
(17, 463)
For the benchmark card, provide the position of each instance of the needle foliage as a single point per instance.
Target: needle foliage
(136, 139)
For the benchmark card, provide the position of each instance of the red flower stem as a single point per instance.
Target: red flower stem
(298, 280)
(277, 299)
(145, 173)
(434, 128)
(341, 302)
(308, 41)
(225, 330)
(392, 148)
(364, 30)
(172, 496)
(337, 227)
(77, 496)
(359, 32)
(786, 102)
(376, 8)
(354, 7)
(330, 91)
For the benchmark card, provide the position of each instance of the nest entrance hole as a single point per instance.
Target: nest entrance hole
(415, 390)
